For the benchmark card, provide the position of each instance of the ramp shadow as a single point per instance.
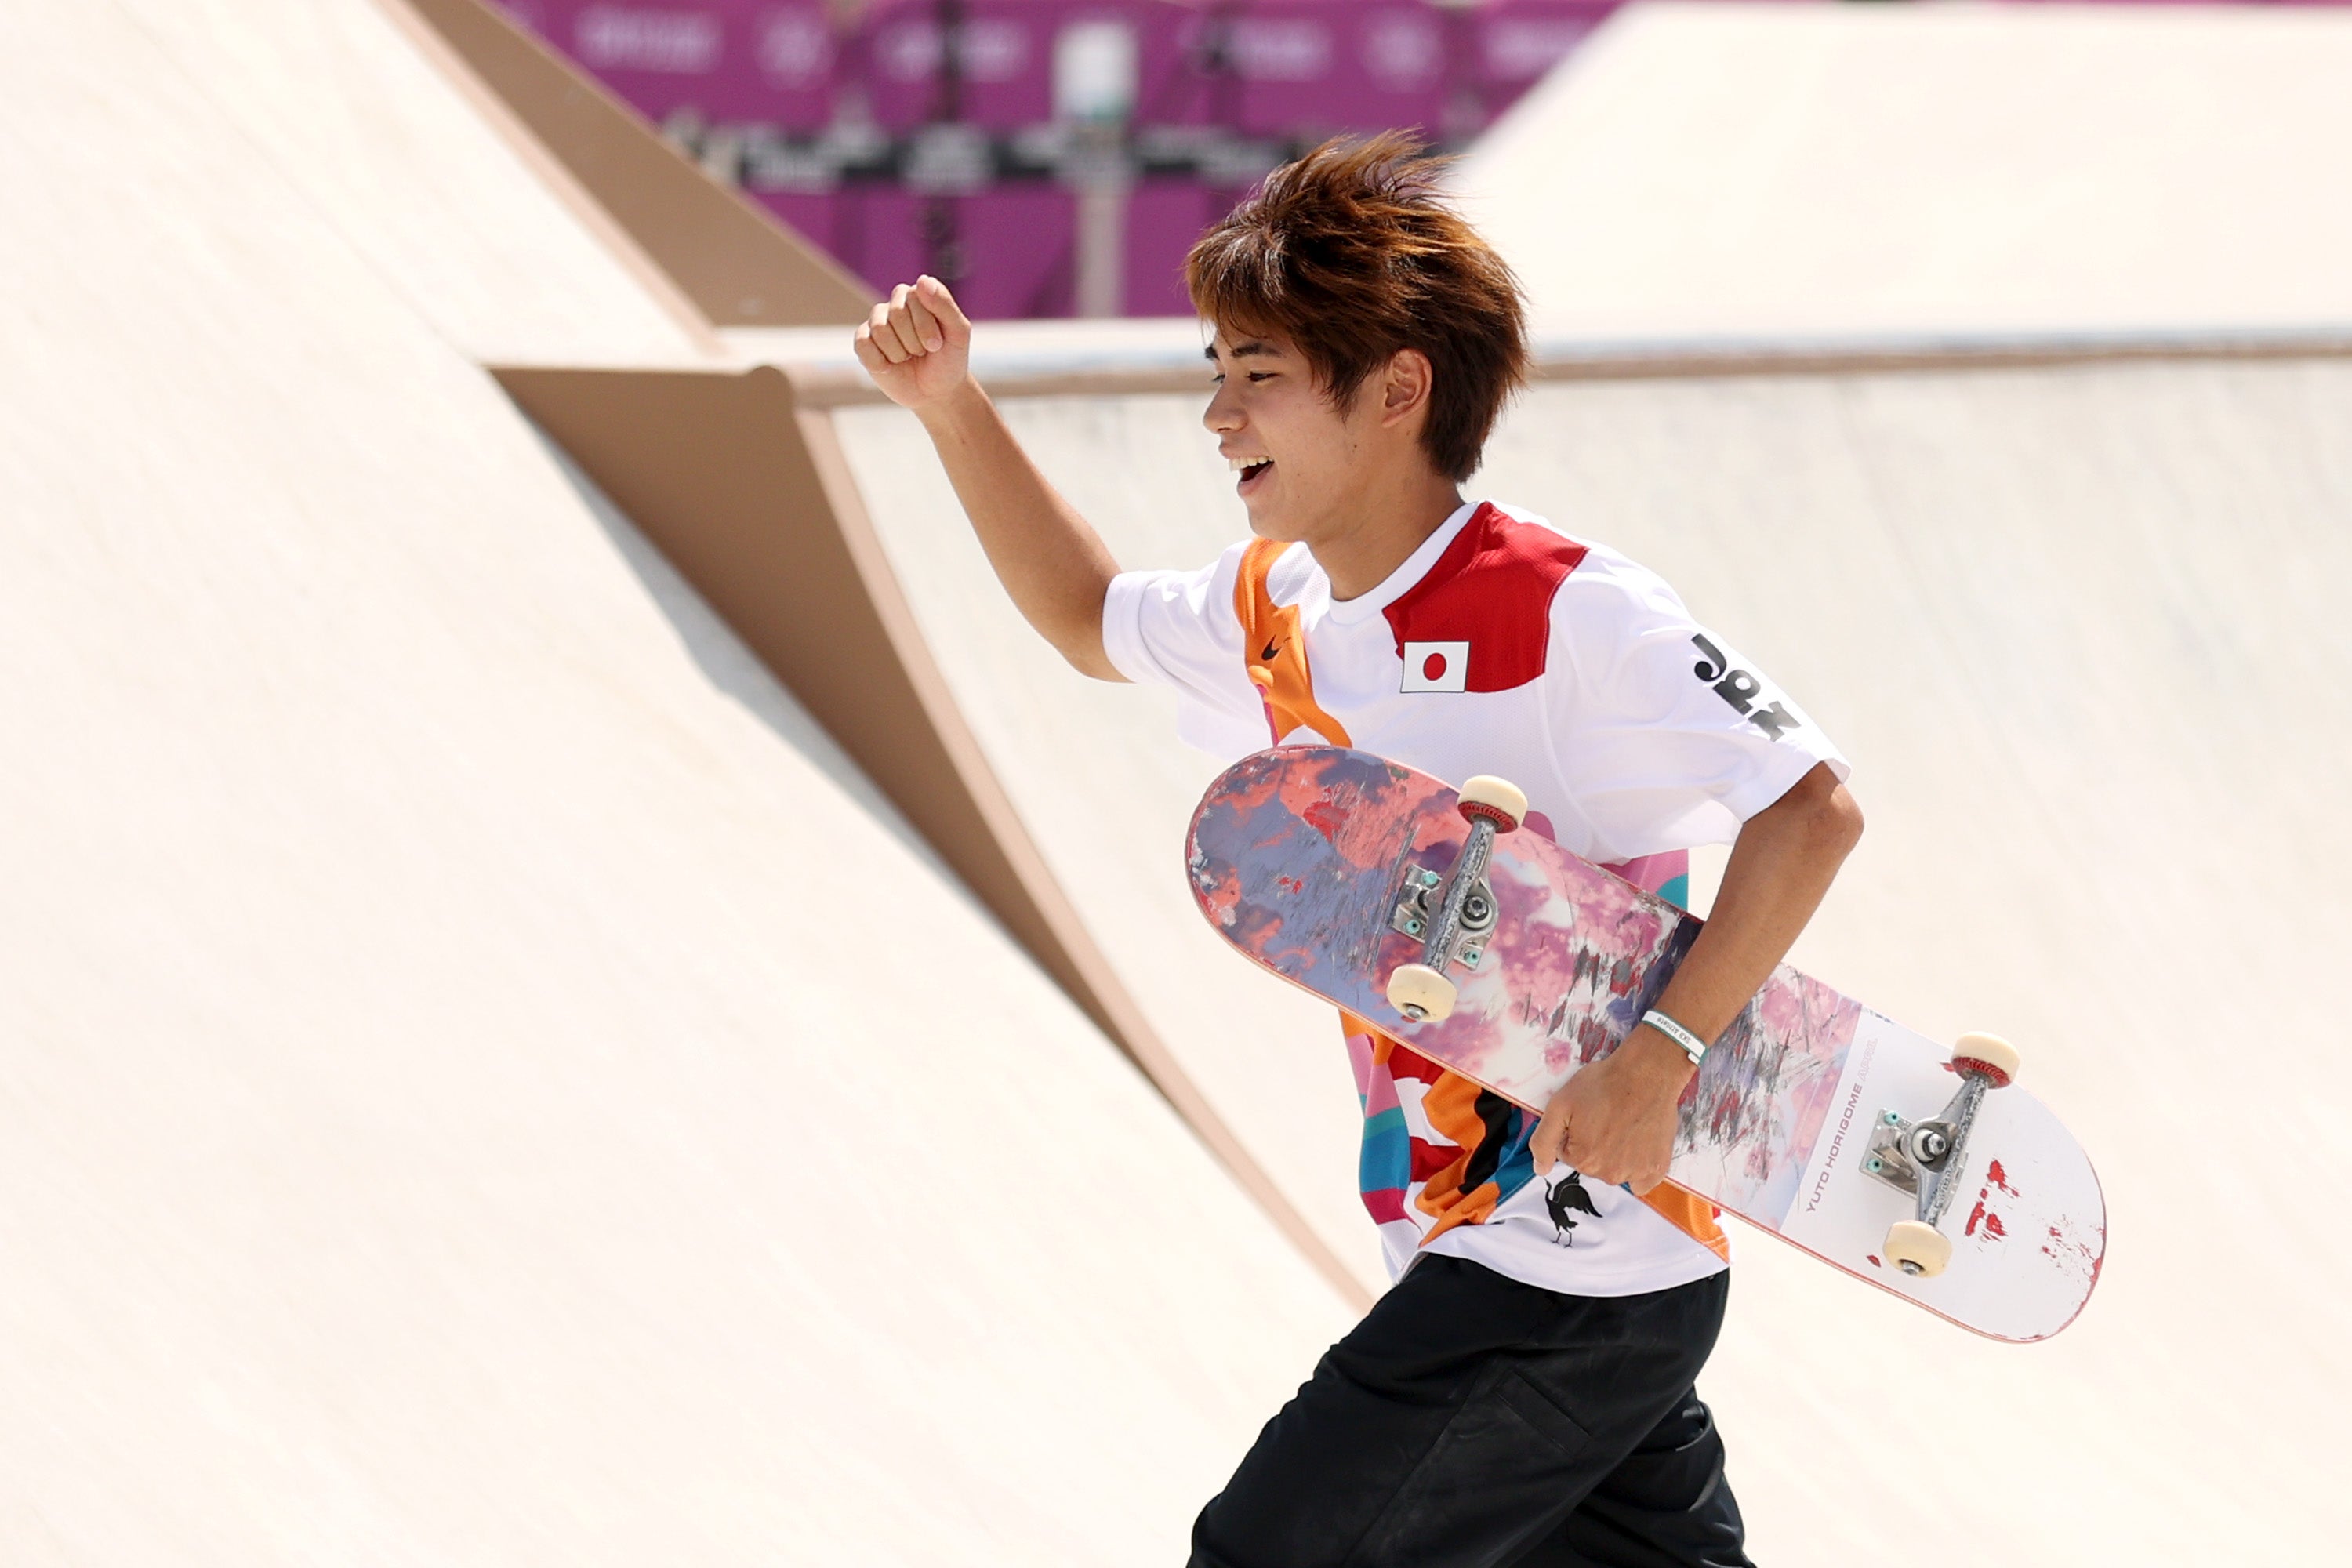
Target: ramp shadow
(732, 669)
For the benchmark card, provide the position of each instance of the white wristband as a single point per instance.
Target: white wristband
(1693, 1047)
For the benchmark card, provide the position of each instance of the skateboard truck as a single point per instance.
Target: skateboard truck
(1456, 929)
(1414, 917)
(1922, 1159)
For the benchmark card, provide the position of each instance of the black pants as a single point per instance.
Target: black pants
(1470, 1420)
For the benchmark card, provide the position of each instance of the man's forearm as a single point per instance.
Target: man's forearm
(1779, 869)
(1055, 568)
(1616, 1119)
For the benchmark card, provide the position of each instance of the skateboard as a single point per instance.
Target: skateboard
(1445, 922)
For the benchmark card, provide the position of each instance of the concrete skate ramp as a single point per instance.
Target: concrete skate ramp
(478, 1081)
(454, 206)
(1769, 170)
(1100, 784)
(2082, 629)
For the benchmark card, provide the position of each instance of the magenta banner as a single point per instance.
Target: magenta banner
(910, 134)
(1267, 67)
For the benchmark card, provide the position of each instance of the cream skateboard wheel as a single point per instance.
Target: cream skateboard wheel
(1990, 1054)
(1494, 800)
(1420, 992)
(1917, 1249)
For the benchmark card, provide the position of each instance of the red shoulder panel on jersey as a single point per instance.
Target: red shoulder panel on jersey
(1492, 589)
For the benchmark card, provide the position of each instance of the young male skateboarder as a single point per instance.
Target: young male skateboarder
(1525, 1393)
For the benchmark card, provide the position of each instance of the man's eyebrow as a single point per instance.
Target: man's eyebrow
(1255, 348)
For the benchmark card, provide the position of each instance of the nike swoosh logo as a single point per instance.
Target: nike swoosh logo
(1271, 649)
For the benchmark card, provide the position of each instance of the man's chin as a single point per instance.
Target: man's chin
(1268, 522)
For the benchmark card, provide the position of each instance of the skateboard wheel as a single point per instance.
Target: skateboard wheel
(1498, 801)
(1919, 1250)
(1420, 992)
(1990, 1054)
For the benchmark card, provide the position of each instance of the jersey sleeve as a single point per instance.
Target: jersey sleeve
(1178, 629)
(1667, 735)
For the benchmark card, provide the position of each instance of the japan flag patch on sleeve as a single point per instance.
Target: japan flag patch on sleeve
(1437, 667)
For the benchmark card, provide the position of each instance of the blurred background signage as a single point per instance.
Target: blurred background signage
(1049, 157)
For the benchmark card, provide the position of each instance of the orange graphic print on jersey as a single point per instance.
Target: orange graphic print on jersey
(1274, 649)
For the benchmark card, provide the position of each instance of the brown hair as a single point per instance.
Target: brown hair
(1349, 254)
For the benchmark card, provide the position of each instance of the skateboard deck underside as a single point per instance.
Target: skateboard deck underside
(1296, 857)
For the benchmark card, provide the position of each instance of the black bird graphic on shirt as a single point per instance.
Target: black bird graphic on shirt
(1566, 1198)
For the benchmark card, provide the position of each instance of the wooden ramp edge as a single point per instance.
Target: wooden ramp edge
(738, 265)
(747, 494)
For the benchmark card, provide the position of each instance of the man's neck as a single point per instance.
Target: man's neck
(1379, 533)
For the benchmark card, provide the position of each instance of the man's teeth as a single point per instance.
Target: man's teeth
(1244, 465)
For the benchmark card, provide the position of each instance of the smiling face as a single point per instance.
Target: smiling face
(1347, 270)
(1297, 459)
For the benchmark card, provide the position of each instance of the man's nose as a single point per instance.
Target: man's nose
(1223, 417)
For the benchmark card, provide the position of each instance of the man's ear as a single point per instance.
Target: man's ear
(1405, 386)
